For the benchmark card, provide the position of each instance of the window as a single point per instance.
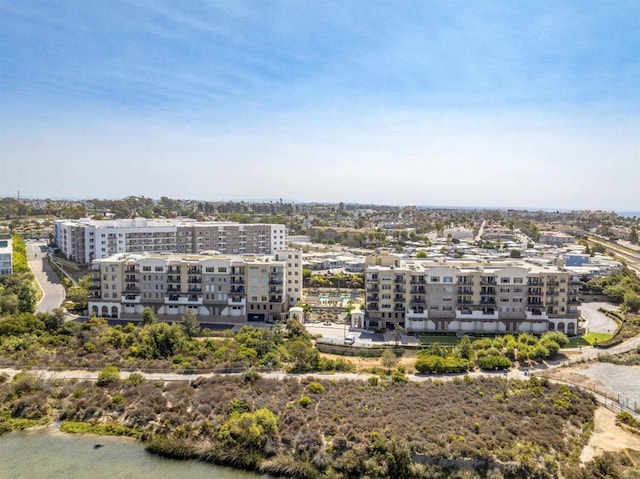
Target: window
(447, 279)
(209, 269)
(435, 279)
(504, 290)
(517, 290)
(222, 270)
(158, 269)
(518, 280)
(505, 280)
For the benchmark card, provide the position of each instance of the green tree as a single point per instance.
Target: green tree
(388, 360)
(148, 316)
(27, 297)
(465, 348)
(515, 253)
(421, 254)
(632, 301)
(397, 333)
(190, 324)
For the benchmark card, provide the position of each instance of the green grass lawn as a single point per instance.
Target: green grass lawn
(588, 339)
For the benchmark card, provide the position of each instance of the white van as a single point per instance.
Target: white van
(350, 339)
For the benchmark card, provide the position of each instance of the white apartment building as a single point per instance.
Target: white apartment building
(6, 254)
(466, 297)
(85, 240)
(218, 288)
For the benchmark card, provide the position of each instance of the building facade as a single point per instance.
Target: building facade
(218, 288)
(84, 240)
(470, 297)
(6, 254)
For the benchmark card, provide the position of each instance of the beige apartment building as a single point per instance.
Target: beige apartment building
(218, 288)
(84, 240)
(470, 297)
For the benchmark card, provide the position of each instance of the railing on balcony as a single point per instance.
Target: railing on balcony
(173, 279)
(194, 280)
(194, 289)
(275, 281)
(195, 270)
(237, 280)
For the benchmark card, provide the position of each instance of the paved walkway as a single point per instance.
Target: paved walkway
(50, 285)
(598, 322)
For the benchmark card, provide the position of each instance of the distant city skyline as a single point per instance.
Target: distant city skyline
(516, 104)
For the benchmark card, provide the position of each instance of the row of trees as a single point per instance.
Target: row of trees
(622, 288)
(489, 353)
(17, 291)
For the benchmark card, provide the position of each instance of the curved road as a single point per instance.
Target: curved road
(52, 289)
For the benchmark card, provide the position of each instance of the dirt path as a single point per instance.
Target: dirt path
(607, 436)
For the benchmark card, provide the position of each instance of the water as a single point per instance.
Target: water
(50, 454)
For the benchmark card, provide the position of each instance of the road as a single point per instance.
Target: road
(631, 257)
(52, 289)
(598, 322)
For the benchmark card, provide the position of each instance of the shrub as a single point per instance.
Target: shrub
(398, 378)
(305, 401)
(109, 375)
(135, 379)
(494, 362)
(316, 388)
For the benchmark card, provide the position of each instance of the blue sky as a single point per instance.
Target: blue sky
(525, 104)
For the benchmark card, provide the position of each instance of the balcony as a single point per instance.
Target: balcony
(467, 291)
(132, 278)
(130, 299)
(372, 298)
(194, 289)
(419, 280)
(488, 301)
(237, 289)
(236, 301)
(418, 290)
(194, 280)
(399, 298)
(488, 281)
(173, 270)
(190, 300)
(132, 288)
(237, 280)
(174, 280)
(195, 270)
(275, 281)
(417, 300)
(399, 279)
(535, 282)
(398, 307)
(275, 299)
(173, 289)
(372, 307)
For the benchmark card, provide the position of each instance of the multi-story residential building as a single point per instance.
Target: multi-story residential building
(218, 288)
(85, 240)
(470, 297)
(6, 254)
